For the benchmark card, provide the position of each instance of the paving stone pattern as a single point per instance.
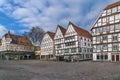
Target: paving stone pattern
(43, 70)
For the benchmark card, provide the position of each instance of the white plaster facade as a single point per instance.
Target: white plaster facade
(14, 45)
(59, 42)
(73, 45)
(77, 43)
(47, 46)
(106, 34)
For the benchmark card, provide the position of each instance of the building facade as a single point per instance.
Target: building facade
(77, 43)
(37, 52)
(47, 46)
(13, 47)
(59, 42)
(106, 34)
(73, 44)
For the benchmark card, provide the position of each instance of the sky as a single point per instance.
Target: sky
(21, 15)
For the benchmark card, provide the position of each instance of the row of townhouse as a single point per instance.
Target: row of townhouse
(75, 43)
(72, 44)
(13, 47)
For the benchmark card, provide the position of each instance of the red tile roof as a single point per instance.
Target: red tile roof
(63, 30)
(81, 31)
(112, 5)
(51, 34)
(21, 40)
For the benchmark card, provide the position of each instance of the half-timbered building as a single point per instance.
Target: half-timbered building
(14, 47)
(59, 42)
(106, 34)
(77, 43)
(47, 46)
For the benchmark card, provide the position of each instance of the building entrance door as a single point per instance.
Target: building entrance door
(117, 57)
(113, 57)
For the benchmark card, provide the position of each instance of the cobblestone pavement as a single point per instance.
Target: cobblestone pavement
(43, 70)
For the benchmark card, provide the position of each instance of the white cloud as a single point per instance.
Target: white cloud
(2, 2)
(3, 30)
(20, 13)
(49, 13)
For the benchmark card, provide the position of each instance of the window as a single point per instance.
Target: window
(104, 38)
(118, 8)
(70, 37)
(97, 30)
(70, 44)
(106, 56)
(58, 40)
(117, 17)
(73, 50)
(98, 57)
(66, 51)
(102, 57)
(104, 20)
(114, 9)
(104, 47)
(115, 47)
(111, 18)
(85, 50)
(100, 29)
(98, 47)
(98, 38)
(115, 37)
(85, 44)
(108, 11)
(104, 29)
(59, 46)
(91, 50)
(117, 27)
(111, 27)
(81, 38)
(87, 55)
(88, 50)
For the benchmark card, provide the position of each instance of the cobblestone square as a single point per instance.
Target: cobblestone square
(43, 70)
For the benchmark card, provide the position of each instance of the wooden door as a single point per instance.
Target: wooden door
(113, 57)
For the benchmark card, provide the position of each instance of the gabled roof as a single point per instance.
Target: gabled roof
(21, 40)
(112, 5)
(51, 34)
(63, 30)
(81, 31)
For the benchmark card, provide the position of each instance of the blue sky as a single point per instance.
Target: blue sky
(20, 15)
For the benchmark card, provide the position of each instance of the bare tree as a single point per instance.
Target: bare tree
(35, 35)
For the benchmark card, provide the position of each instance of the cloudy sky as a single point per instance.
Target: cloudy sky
(20, 15)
